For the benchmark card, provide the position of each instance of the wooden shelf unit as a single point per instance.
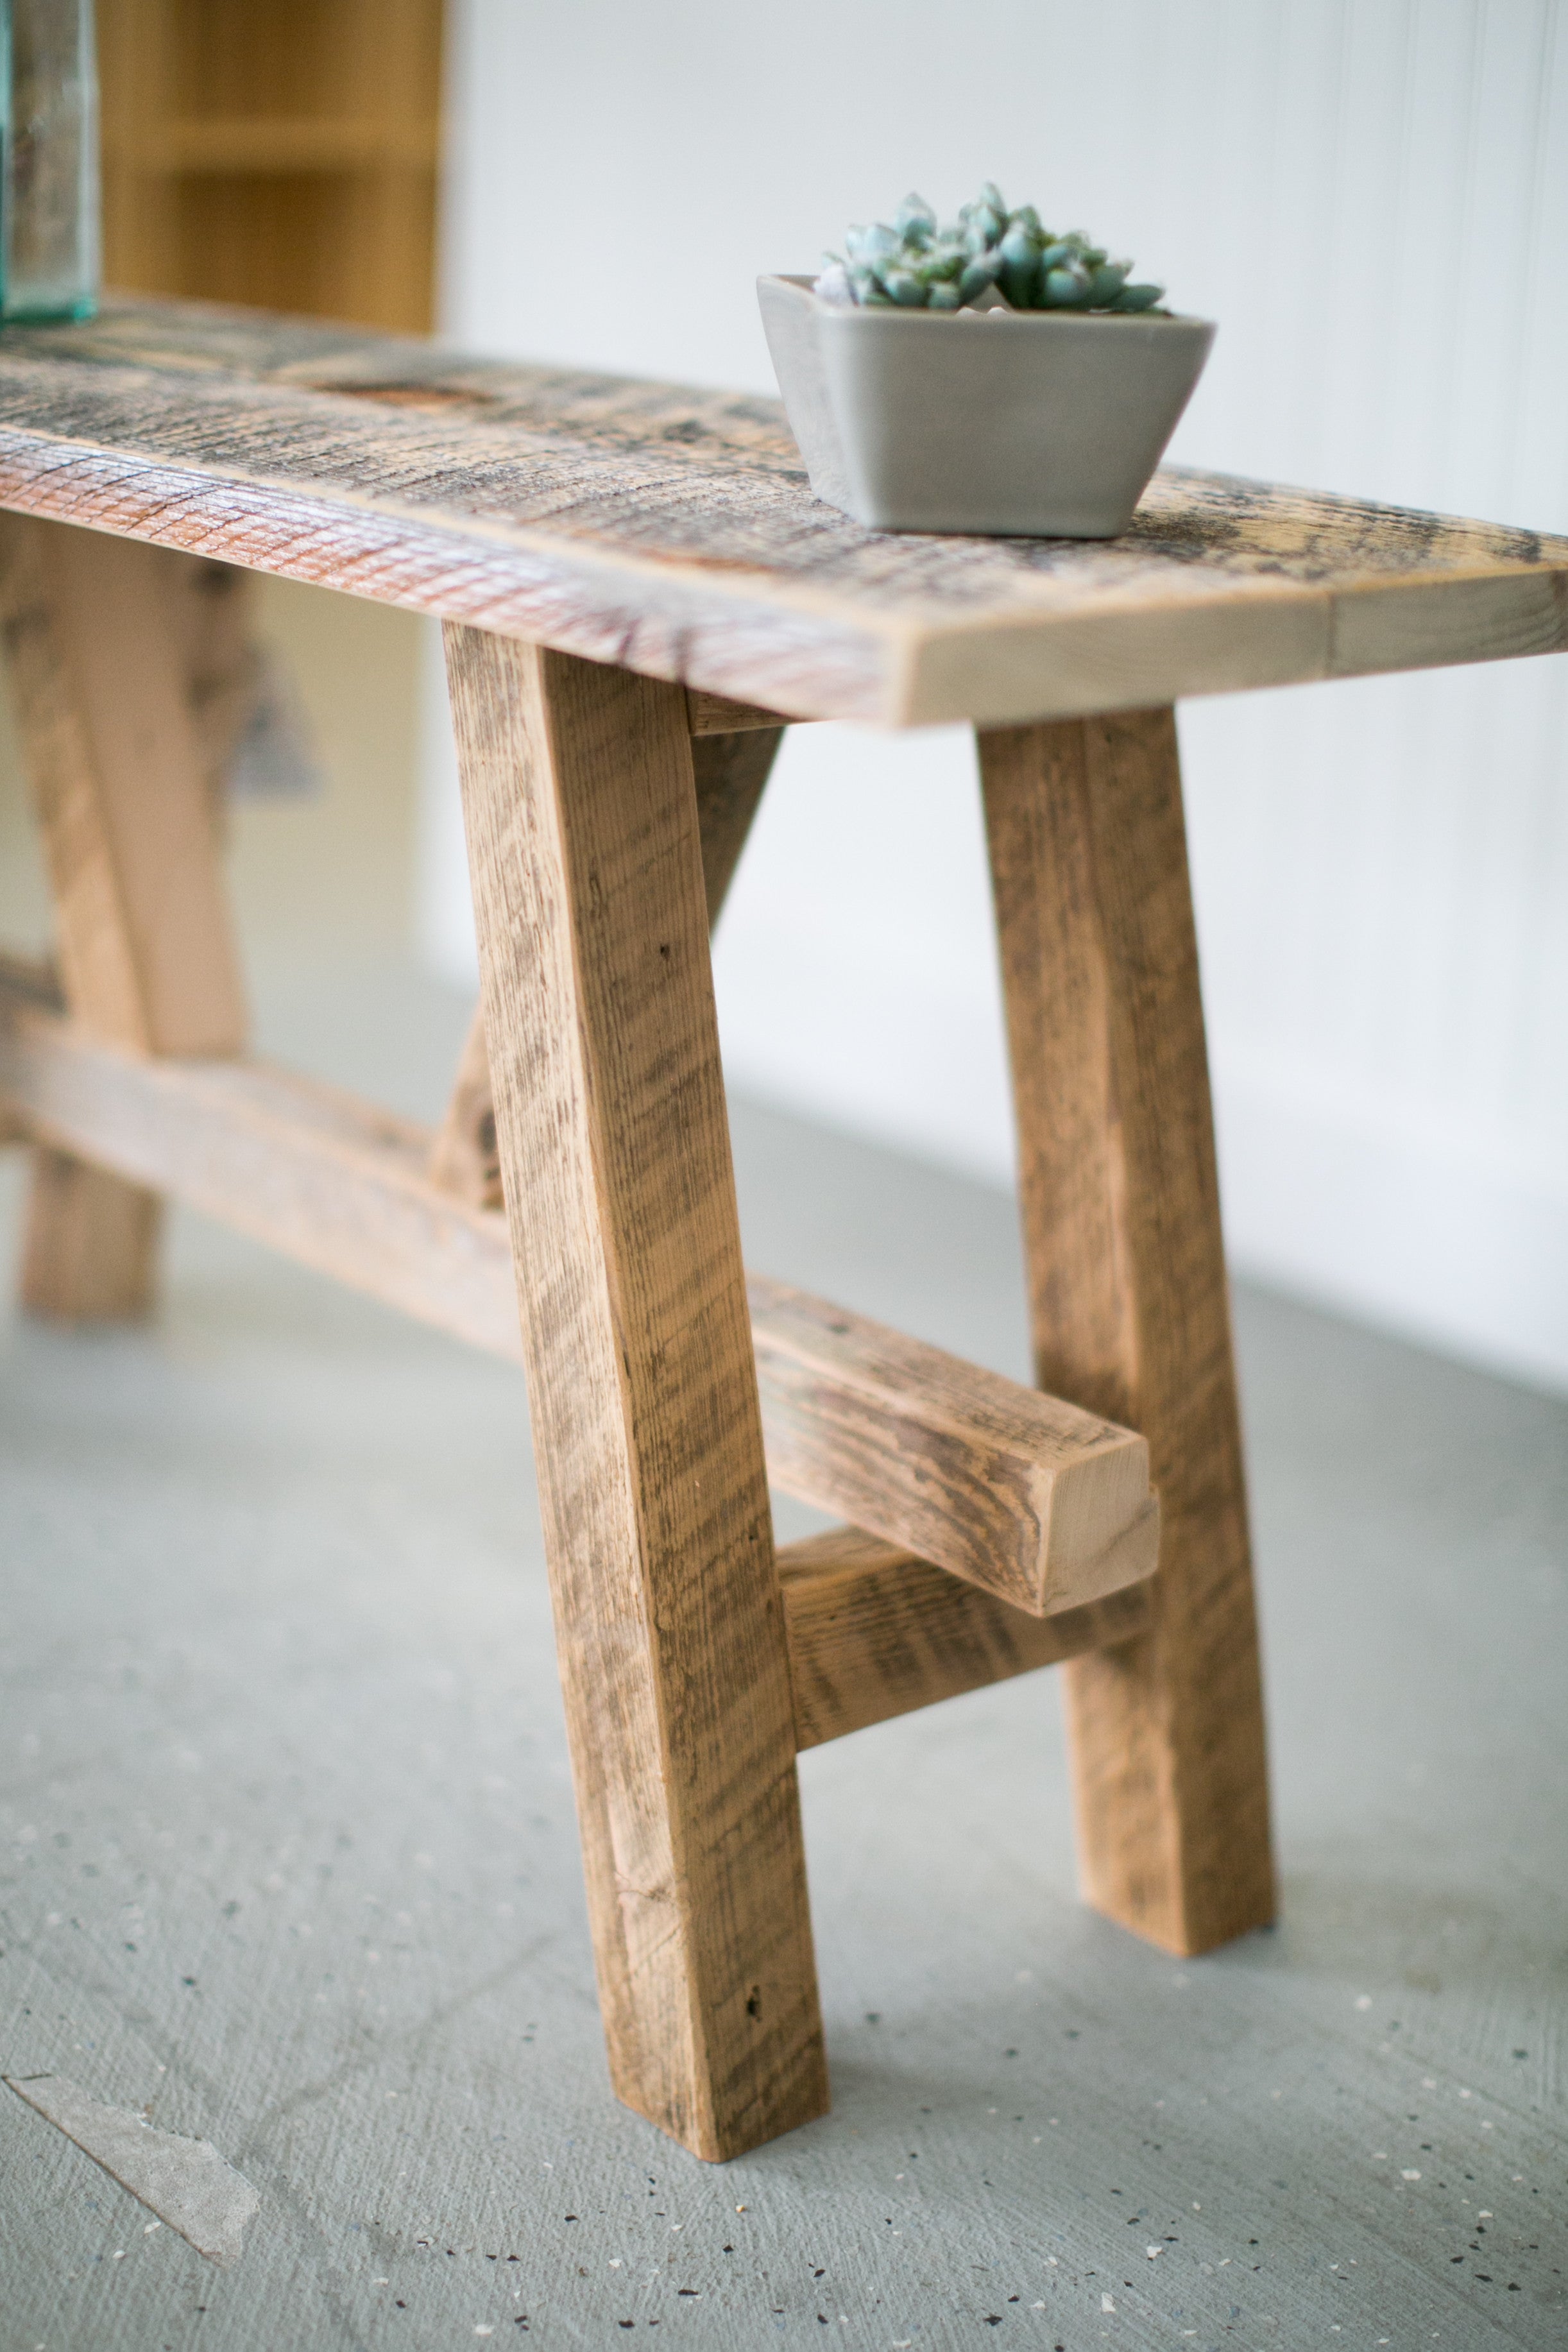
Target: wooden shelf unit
(284, 157)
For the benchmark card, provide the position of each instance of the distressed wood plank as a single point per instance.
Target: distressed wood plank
(714, 714)
(329, 1179)
(89, 1242)
(1128, 1301)
(730, 771)
(1041, 1504)
(102, 651)
(875, 1632)
(97, 648)
(672, 530)
(1005, 1487)
(581, 809)
(464, 1158)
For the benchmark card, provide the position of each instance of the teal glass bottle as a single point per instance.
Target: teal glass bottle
(48, 160)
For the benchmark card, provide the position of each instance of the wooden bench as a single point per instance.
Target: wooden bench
(639, 592)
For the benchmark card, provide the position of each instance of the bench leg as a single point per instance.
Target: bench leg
(99, 649)
(583, 845)
(1128, 1301)
(731, 771)
(89, 1246)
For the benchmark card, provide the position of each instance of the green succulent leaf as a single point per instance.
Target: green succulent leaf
(916, 263)
(1107, 282)
(879, 243)
(914, 220)
(1018, 256)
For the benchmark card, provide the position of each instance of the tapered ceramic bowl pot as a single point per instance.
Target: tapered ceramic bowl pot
(1029, 424)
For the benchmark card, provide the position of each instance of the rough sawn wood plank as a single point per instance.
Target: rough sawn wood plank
(99, 642)
(1129, 1301)
(672, 531)
(875, 1632)
(1013, 1491)
(730, 771)
(591, 906)
(1036, 1501)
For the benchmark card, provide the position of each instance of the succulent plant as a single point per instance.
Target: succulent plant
(917, 265)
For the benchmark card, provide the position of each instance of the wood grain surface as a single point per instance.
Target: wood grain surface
(730, 769)
(103, 647)
(731, 772)
(464, 1158)
(1044, 1505)
(97, 649)
(331, 1181)
(672, 530)
(581, 810)
(1128, 1299)
(875, 1632)
(714, 714)
(1013, 1491)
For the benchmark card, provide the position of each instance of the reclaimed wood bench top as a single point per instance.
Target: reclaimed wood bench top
(672, 530)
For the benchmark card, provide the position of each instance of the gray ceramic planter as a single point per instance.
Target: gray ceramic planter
(1041, 424)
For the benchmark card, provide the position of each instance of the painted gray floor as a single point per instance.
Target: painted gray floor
(288, 1859)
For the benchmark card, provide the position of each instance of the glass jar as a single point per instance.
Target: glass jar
(48, 160)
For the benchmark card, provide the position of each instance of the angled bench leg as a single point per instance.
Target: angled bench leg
(98, 643)
(588, 884)
(1128, 1301)
(731, 771)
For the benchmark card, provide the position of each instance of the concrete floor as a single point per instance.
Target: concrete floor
(288, 1857)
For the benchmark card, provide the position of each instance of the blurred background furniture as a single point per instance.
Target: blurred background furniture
(285, 155)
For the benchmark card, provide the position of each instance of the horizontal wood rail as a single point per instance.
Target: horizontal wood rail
(1036, 1501)
(315, 1172)
(1029, 1498)
(873, 1631)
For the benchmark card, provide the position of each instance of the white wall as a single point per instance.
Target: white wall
(1371, 198)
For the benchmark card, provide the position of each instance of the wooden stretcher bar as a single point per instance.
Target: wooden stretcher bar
(1031, 1499)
